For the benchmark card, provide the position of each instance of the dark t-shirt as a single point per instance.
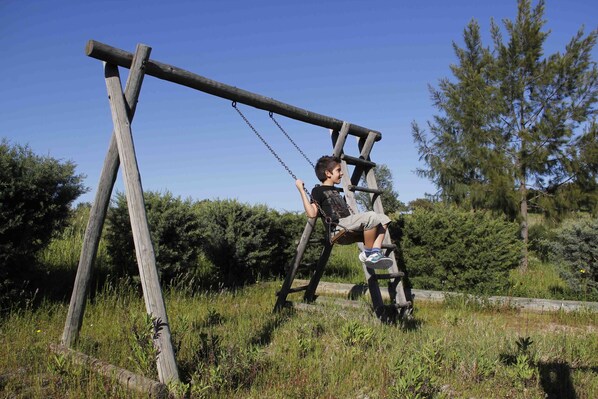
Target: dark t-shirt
(331, 202)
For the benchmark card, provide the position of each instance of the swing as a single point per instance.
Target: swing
(340, 235)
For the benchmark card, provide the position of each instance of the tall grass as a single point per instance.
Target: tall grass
(63, 251)
(231, 344)
(541, 280)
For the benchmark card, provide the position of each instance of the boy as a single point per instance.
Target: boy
(327, 196)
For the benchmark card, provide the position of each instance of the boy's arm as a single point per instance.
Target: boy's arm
(311, 210)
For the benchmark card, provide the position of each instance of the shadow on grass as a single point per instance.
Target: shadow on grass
(555, 379)
(264, 335)
(388, 314)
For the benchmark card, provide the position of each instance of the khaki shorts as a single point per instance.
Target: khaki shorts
(363, 221)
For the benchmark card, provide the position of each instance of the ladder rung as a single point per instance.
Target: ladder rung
(390, 276)
(365, 189)
(358, 161)
(301, 267)
(298, 289)
(406, 304)
(392, 247)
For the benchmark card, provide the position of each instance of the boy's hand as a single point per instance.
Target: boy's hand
(300, 185)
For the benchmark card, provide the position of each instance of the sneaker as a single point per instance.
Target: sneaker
(378, 261)
(362, 257)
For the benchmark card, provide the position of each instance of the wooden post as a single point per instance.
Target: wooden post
(154, 302)
(290, 276)
(99, 208)
(310, 292)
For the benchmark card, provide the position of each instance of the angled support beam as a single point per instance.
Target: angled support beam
(99, 208)
(144, 250)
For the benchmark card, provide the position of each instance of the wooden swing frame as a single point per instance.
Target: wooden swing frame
(121, 152)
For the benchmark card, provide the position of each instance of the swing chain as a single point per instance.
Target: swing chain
(234, 104)
(328, 219)
(271, 114)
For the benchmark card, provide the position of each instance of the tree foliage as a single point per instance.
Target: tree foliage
(174, 229)
(223, 242)
(245, 242)
(516, 128)
(390, 198)
(35, 197)
(448, 249)
(575, 246)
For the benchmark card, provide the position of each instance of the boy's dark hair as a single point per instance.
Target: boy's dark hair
(326, 163)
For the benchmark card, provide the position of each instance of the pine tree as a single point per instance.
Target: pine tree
(517, 129)
(389, 197)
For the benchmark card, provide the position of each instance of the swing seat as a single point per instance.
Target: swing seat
(342, 236)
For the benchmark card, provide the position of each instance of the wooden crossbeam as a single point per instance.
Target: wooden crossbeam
(180, 76)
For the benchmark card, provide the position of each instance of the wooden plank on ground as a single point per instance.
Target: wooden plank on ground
(527, 304)
(129, 380)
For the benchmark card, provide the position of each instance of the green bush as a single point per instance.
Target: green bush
(174, 229)
(35, 197)
(206, 243)
(245, 242)
(575, 244)
(454, 250)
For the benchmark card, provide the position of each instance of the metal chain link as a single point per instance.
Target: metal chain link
(326, 217)
(291, 140)
(234, 104)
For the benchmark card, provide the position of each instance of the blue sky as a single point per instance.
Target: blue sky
(366, 62)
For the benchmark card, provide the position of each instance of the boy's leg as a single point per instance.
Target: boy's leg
(373, 256)
(373, 238)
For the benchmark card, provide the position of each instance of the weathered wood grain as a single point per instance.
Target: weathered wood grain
(99, 207)
(144, 250)
(129, 380)
(180, 76)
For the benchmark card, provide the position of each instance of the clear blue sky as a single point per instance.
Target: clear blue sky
(366, 62)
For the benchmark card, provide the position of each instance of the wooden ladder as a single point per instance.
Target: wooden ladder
(400, 295)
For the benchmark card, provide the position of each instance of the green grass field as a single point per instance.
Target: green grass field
(230, 344)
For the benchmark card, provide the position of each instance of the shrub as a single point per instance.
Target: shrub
(245, 242)
(575, 244)
(453, 250)
(174, 229)
(35, 197)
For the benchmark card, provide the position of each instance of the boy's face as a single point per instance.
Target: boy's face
(335, 174)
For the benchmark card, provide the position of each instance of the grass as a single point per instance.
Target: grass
(541, 280)
(230, 344)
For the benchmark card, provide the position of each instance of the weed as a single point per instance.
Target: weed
(452, 352)
(483, 368)
(414, 381)
(57, 364)
(213, 318)
(522, 369)
(306, 346)
(524, 344)
(141, 343)
(356, 335)
(179, 389)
